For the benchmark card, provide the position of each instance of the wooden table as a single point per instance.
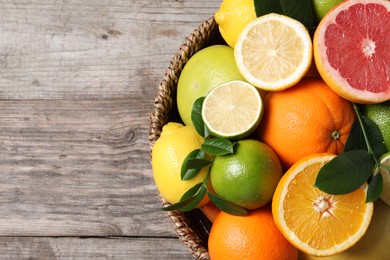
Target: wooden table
(77, 84)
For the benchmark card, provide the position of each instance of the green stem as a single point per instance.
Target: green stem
(369, 149)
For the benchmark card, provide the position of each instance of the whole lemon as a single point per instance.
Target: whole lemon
(168, 153)
(232, 17)
(249, 176)
(205, 70)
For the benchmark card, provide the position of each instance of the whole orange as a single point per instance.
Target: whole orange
(305, 119)
(254, 236)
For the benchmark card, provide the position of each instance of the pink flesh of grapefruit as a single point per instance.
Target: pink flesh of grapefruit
(352, 50)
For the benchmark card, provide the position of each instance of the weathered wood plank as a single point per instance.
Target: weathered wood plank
(77, 168)
(92, 248)
(91, 49)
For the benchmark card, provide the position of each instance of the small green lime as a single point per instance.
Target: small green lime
(321, 7)
(380, 114)
(205, 70)
(249, 176)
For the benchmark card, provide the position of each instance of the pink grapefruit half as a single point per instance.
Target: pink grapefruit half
(352, 50)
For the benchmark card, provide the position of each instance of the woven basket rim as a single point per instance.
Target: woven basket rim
(163, 104)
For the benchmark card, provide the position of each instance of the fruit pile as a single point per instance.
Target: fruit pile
(284, 138)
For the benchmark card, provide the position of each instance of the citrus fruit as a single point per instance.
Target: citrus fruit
(254, 236)
(380, 114)
(305, 119)
(373, 245)
(210, 211)
(352, 50)
(315, 222)
(205, 70)
(232, 110)
(385, 161)
(273, 52)
(321, 7)
(168, 153)
(249, 176)
(232, 17)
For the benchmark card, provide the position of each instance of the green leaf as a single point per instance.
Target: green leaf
(188, 173)
(227, 206)
(345, 173)
(217, 146)
(197, 163)
(263, 7)
(375, 188)
(196, 117)
(355, 140)
(375, 137)
(301, 10)
(190, 199)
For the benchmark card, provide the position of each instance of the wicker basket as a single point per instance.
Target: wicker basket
(192, 227)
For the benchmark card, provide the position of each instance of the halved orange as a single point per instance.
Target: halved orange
(315, 222)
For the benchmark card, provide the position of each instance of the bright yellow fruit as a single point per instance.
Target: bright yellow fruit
(168, 153)
(315, 222)
(273, 52)
(232, 17)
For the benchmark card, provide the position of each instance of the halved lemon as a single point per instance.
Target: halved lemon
(273, 52)
(232, 110)
(315, 222)
(385, 161)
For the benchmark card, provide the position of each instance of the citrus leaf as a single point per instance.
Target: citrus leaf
(263, 7)
(217, 146)
(300, 10)
(374, 136)
(227, 206)
(196, 116)
(197, 199)
(375, 188)
(187, 173)
(189, 200)
(197, 163)
(355, 140)
(345, 173)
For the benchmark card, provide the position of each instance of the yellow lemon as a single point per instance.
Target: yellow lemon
(232, 17)
(168, 153)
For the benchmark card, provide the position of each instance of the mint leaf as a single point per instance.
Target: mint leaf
(196, 117)
(375, 188)
(217, 146)
(263, 7)
(345, 173)
(188, 173)
(227, 206)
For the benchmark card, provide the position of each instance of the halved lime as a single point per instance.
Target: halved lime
(232, 110)
(385, 160)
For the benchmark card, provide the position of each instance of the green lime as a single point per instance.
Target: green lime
(232, 110)
(249, 176)
(380, 114)
(321, 7)
(205, 70)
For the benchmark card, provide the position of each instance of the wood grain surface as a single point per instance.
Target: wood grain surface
(77, 84)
